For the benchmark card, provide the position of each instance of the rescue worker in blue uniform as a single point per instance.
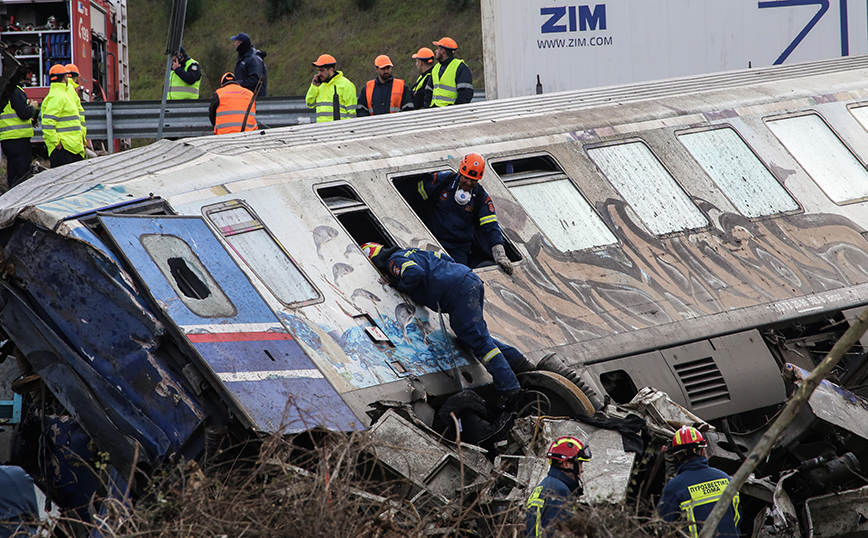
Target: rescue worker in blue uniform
(17, 502)
(692, 493)
(435, 281)
(461, 214)
(546, 504)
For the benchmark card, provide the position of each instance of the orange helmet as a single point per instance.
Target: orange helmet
(568, 448)
(227, 77)
(687, 438)
(382, 61)
(446, 43)
(324, 60)
(472, 166)
(57, 73)
(371, 249)
(425, 54)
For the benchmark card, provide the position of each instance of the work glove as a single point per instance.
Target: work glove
(499, 255)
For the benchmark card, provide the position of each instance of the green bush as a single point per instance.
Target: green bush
(276, 9)
(194, 10)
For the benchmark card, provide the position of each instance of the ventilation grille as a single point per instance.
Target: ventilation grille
(704, 383)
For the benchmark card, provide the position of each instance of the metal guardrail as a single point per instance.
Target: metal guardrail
(186, 118)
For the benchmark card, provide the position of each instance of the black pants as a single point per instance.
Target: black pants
(60, 156)
(18, 157)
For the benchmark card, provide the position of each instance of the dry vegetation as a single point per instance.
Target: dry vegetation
(320, 485)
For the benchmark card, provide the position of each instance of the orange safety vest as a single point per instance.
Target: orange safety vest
(397, 92)
(230, 113)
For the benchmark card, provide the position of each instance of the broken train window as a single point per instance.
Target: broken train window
(410, 188)
(188, 276)
(355, 216)
(248, 237)
(553, 202)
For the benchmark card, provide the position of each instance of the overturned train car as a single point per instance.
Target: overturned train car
(694, 235)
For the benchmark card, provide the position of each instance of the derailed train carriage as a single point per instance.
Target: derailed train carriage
(692, 235)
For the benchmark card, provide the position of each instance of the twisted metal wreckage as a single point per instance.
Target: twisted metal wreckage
(678, 235)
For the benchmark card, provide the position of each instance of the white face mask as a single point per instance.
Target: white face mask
(462, 197)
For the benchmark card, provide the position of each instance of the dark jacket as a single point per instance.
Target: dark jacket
(422, 90)
(381, 98)
(23, 109)
(545, 506)
(463, 81)
(249, 67)
(189, 74)
(17, 498)
(692, 493)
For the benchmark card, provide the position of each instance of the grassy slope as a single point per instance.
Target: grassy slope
(393, 27)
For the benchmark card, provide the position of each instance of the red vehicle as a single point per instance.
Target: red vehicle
(92, 34)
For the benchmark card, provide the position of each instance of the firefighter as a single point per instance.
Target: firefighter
(330, 93)
(229, 105)
(435, 281)
(545, 506)
(185, 78)
(61, 123)
(453, 81)
(72, 85)
(423, 89)
(16, 130)
(461, 214)
(691, 494)
(384, 94)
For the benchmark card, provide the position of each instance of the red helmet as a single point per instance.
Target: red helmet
(687, 438)
(568, 448)
(371, 249)
(472, 166)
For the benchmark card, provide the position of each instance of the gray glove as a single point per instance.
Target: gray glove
(499, 255)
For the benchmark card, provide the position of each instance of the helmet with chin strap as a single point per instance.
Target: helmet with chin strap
(472, 166)
(568, 448)
(687, 440)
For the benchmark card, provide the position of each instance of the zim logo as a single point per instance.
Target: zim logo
(587, 19)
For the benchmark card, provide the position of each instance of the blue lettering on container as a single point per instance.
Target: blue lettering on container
(588, 19)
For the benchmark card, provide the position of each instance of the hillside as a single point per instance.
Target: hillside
(339, 28)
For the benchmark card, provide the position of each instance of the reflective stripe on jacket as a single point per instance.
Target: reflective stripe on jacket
(394, 101)
(323, 98)
(178, 89)
(11, 126)
(691, 495)
(230, 113)
(445, 88)
(72, 88)
(61, 123)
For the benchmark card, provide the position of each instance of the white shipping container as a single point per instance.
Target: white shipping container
(575, 44)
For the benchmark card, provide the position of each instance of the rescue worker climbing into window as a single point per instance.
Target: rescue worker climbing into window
(330, 93)
(546, 504)
(186, 77)
(74, 87)
(435, 281)
(423, 89)
(384, 94)
(229, 105)
(61, 124)
(461, 214)
(453, 82)
(692, 493)
(16, 130)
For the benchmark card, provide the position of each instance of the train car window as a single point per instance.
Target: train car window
(739, 173)
(188, 276)
(261, 252)
(648, 187)
(408, 187)
(554, 203)
(823, 156)
(358, 220)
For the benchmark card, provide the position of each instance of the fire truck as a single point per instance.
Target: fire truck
(92, 34)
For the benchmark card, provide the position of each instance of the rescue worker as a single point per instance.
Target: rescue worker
(16, 130)
(250, 65)
(423, 89)
(545, 506)
(186, 77)
(17, 502)
(384, 94)
(229, 105)
(435, 281)
(453, 82)
(61, 123)
(73, 86)
(461, 214)
(330, 93)
(691, 494)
